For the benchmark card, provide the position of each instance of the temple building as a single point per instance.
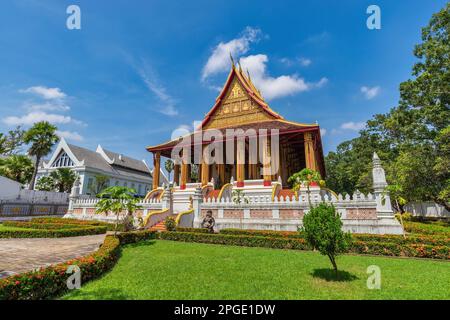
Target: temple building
(235, 167)
(240, 106)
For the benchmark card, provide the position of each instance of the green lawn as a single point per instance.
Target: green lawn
(177, 270)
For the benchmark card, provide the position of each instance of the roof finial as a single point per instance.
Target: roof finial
(240, 67)
(232, 60)
(248, 75)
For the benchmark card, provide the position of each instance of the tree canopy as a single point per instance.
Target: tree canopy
(413, 138)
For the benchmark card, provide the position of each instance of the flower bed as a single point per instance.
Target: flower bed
(434, 240)
(51, 233)
(51, 282)
(70, 221)
(196, 230)
(33, 225)
(53, 228)
(427, 228)
(288, 242)
(236, 240)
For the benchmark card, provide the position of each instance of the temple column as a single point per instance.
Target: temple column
(310, 154)
(156, 169)
(267, 168)
(204, 170)
(240, 161)
(184, 174)
(176, 174)
(221, 169)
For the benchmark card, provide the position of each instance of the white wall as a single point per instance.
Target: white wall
(427, 209)
(9, 189)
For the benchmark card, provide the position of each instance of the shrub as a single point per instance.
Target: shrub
(263, 233)
(136, 236)
(52, 233)
(196, 230)
(235, 240)
(67, 221)
(50, 226)
(170, 224)
(427, 228)
(322, 228)
(434, 240)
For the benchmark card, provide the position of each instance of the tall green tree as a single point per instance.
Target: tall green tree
(63, 179)
(17, 167)
(45, 183)
(413, 138)
(41, 137)
(11, 143)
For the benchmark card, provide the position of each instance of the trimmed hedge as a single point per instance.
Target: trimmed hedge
(33, 225)
(51, 281)
(67, 221)
(360, 247)
(195, 230)
(399, 250)
(236, 240)
(53, 233)
(410, 239)
(136, 236)
(427, 228)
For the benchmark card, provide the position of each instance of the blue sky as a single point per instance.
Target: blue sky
(137, 70)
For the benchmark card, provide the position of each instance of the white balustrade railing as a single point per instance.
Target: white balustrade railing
(357, 198)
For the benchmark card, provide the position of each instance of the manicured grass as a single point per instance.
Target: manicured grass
(175, 270)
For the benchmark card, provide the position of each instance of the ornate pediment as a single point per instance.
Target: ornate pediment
(236, 108)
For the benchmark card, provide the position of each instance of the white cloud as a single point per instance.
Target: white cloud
(275, 87)
(45, 92)
(47, 106)
(220, 58)
(33, 117)
(323, 131)
(69, 135)
(160, 91)
(355, 126)
(305, 61)
(369, 92)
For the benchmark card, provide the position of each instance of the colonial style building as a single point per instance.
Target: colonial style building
(119, 170)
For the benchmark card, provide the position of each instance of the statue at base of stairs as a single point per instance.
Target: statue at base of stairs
(209, 222)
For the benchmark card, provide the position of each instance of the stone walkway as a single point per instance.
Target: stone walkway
(20, 255)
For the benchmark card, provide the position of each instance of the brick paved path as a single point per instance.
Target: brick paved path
(19, 255)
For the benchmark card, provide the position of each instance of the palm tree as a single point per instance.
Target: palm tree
(169, 167)
(17, 167)
(63, 179)
(45, 183)
(41, 137)
(306, 177)
(117, 200)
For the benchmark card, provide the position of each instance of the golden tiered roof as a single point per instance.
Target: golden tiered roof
(241, 105)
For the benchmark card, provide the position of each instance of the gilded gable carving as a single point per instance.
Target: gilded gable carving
(237, 108)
